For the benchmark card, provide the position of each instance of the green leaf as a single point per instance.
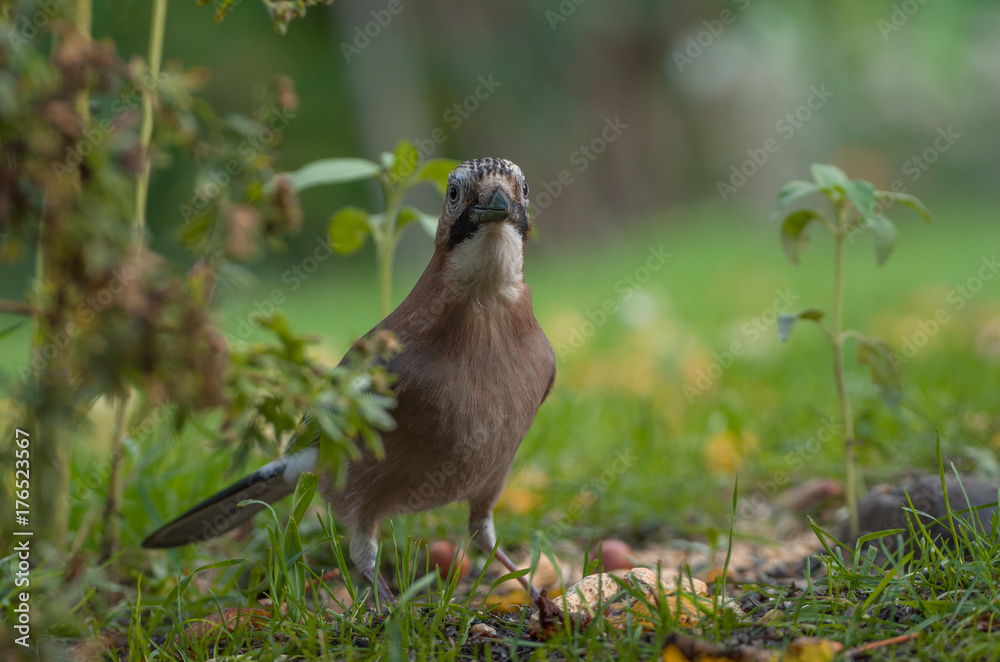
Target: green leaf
(517, 574)
(881, 361)
(296, 572)
(304, 491)
(374, 411)
(272, 410)
(327, 424)
(407, 159)
(196, 231)
(786, 321)
(884, 234)
(12, 328)
(906, 199)
(218, 565)
(430, 224)
(829, 177)
(791, 191)
(408, 214)
(348, 230)
(329, 171)
(417, 587)
(793, 232)
(862, 196)
(436, 172)
(333, 171)
(179, 588)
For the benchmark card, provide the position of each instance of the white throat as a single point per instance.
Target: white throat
(489, 265)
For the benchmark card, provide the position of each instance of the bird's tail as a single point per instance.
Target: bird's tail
(221, 512)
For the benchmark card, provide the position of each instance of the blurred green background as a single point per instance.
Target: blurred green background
(671, 127)
(697, 84)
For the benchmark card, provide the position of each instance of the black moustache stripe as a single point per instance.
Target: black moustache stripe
(463, 228)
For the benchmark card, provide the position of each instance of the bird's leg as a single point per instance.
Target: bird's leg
(384, 592)
(485, 537)
(505, 560)
(364, 553)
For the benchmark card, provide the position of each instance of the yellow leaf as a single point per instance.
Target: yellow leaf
(523, 493)
(638, 614)
(722, 453)
(995, 440)
(509, 603)
(811, 649)
(673, 654)
(518, 500)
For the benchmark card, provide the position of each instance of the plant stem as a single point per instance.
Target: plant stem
(17, 308)
(110, 540)
(49, 417)
(385, 276)
(48, 425)
(83, 22)
(111, 536)
(850, 469)
(156, 30)
(386, 250)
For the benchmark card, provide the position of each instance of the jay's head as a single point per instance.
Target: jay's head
(486, 201)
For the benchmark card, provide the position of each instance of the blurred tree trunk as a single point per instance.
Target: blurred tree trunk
(388, 80)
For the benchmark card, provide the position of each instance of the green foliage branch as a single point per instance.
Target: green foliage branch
(397, 172)
(857, 208)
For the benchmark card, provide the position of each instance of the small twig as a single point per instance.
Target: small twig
(111, 536)
(851, 333)
(827, 330)
(872, 645)
(314, 584)
(17, 308)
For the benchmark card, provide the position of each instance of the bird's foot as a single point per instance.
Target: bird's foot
(384, 592)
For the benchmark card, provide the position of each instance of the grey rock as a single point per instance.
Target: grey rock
(883, 508)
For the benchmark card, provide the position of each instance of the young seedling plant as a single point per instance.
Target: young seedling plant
(397, 173)
(857, 208)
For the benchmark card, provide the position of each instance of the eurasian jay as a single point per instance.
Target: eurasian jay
(473, 369)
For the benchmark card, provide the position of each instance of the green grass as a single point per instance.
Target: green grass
(622, 393)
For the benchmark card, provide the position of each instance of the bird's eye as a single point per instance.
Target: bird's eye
(453, 193)
(524, 189)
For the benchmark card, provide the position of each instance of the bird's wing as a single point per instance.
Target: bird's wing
(221, 512)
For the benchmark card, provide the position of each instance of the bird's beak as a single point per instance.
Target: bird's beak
(498, 209)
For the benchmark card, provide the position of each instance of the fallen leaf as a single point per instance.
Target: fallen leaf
(811, 649)
(230, 619)
(507, 603)
(722, 453)
(673, 654)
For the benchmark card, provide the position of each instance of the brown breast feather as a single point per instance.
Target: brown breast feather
(471, 376)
